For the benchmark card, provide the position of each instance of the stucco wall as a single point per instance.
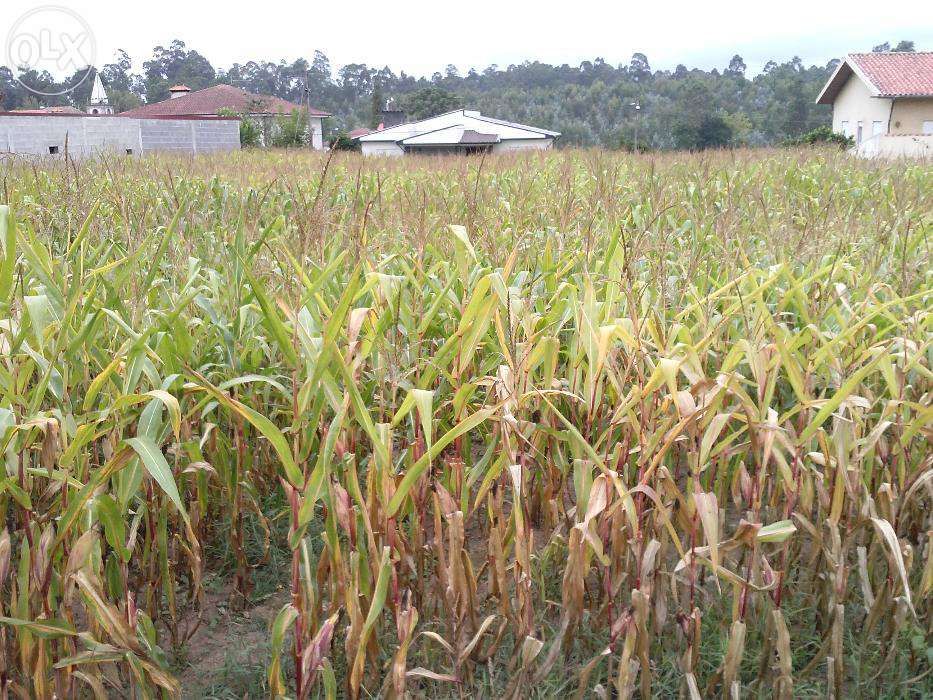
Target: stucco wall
(854, 103)
(380, 148)
(316, 125)
(522, 145)
(909, 114)
(897, 146)
(88, 136)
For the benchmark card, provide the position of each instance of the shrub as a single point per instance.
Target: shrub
(290, 131)
(819, 136)
(343, 142)
(250, 134)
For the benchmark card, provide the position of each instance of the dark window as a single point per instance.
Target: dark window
(129, 151)
(53, 150)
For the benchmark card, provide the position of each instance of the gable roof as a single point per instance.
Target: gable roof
(213, 99)
(455, 124)
(886, 74)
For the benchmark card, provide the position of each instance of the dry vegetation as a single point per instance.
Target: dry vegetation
(521, 427)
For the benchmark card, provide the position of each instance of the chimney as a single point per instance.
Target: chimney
(179, 91)
(392, 115)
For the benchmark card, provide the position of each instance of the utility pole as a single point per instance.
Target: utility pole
(637, 106)
(308, 113)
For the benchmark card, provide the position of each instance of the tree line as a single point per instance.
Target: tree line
(594, 103)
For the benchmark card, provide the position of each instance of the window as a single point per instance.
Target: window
(129, 151)
(53, 150)
(928, 128)
(844, 127)
(877, 128)
(858, 133)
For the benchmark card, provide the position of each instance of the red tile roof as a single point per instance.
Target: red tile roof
(214, 99)
(356, 133)
(897, 74)
(886, 74)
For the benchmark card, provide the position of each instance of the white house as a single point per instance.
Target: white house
(884, 101)
(460, 131)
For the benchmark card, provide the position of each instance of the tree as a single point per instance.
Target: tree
(587, 102)
(431, 101)
(123, 88)
(736, 66)
(638, 68)
(714, 132)
(173, 65)
(902, 47)
(377, 104)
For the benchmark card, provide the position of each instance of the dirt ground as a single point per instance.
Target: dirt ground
(227, 657)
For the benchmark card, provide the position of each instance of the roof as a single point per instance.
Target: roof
(885, 73)
(356, 133)
(67, 109)
(450, 136)
(466, 121)
(181, 87)
(470, 136)
(214, 99)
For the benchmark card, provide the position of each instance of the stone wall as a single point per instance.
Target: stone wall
(87, 135)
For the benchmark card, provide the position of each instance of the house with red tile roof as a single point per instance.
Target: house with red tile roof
(262, 109)
(884, 102)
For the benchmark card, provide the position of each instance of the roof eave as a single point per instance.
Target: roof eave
(831, 90)
(906, 95)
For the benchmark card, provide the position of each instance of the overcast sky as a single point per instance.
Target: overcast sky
(423, 36)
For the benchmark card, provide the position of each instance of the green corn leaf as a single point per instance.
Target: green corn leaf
(154, 461)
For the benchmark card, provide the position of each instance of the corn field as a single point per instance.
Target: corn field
(574, 424)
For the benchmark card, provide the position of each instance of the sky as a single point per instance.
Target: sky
(422, 36)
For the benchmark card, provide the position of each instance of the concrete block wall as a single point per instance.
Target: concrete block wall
(217, 135)
(91, 135)
(167, 135)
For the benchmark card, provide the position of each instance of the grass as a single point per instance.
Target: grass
(526, 426)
